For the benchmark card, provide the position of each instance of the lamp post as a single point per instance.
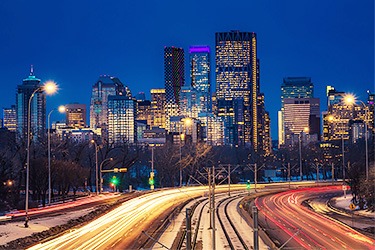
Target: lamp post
(350, 100)
(306, 130)
(101, 178)
(187, 122)
(61, 110)
(49, 88)
(96, 166)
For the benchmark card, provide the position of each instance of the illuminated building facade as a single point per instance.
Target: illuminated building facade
(212, 129)
(264, 127)
(158, 103)
(75, 115)
(189, 102)
(37, 109)
(121, 119)
(144, 112)
(346, 121)
(292, 87)
(174, 79)
(237, 84)
(200, 76)
(104, 87)
(10, 118)
(301, 120)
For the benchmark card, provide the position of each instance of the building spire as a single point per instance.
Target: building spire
(31, 70)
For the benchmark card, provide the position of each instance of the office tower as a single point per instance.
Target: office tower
(158, 103)
(189, 102)
(37, 108)
(105, 86)
(264, 127)
(10, 118)
(212, 129)
(346, 121)
(336, 118)
(75, 115)
(200, 76)
(144, 112)
(292, 87)
(174, 78)
(140, 96)
(237, 83)
(301, 118)
(121, 119)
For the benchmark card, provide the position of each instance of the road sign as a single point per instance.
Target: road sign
(344, 187)
(352, 206)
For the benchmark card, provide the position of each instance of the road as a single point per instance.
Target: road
(285, 218)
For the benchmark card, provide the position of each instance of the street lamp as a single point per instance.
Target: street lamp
(187, 122)
(96, 166)
(61, 110)
(49, 88)
(350, 100)
(101, 178)
(306, 130)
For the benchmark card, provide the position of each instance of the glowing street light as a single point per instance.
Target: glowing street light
(49, 88)
(305, 130)
(61, 109)
(350, 99)
(96, 166)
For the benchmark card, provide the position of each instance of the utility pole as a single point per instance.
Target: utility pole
(213, 209)
(256, 237)
(289, 173)
(188, 229)
(209, 195)
(255, 176)
(229, 180)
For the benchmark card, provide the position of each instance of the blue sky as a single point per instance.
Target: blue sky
(73, 42)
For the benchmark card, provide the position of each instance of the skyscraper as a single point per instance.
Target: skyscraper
(75, 115)
(237, 83)
(301, 115)
(158, 108)
(105, 86)
(37, 108)
(200, 76)
(10, 118)
(293, 87)
(174, 78)
(121, 119)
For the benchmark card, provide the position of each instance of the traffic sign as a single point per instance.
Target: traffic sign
(352, 206)
(344, 187)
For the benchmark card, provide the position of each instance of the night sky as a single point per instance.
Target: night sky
(73, 42)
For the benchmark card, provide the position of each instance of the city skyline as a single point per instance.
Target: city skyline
(74, 51)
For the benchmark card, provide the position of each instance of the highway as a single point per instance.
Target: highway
(285, 218)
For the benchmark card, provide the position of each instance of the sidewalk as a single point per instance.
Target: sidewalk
(341, 203)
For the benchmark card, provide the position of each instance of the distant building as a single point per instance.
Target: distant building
(174, 79)
(189, 102)
(292, 87)
(301, 120)
(104, 86)
(144, 112)
(200, 76)
(237, 85)
(37, 108)
(121, 119)
(10, 118)
(158, 103)
(212, 129)
(155, 136)
(76, 115)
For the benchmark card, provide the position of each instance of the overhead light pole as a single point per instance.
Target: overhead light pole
(96, 166)
(350, 100)
(61, 110)
(49, 88)
(306, 130)
(101, 178)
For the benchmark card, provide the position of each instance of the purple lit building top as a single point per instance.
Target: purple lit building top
(199, 49)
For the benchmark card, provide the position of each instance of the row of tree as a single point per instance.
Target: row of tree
(73, 167)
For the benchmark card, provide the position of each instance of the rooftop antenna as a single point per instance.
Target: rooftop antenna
(31, 70)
